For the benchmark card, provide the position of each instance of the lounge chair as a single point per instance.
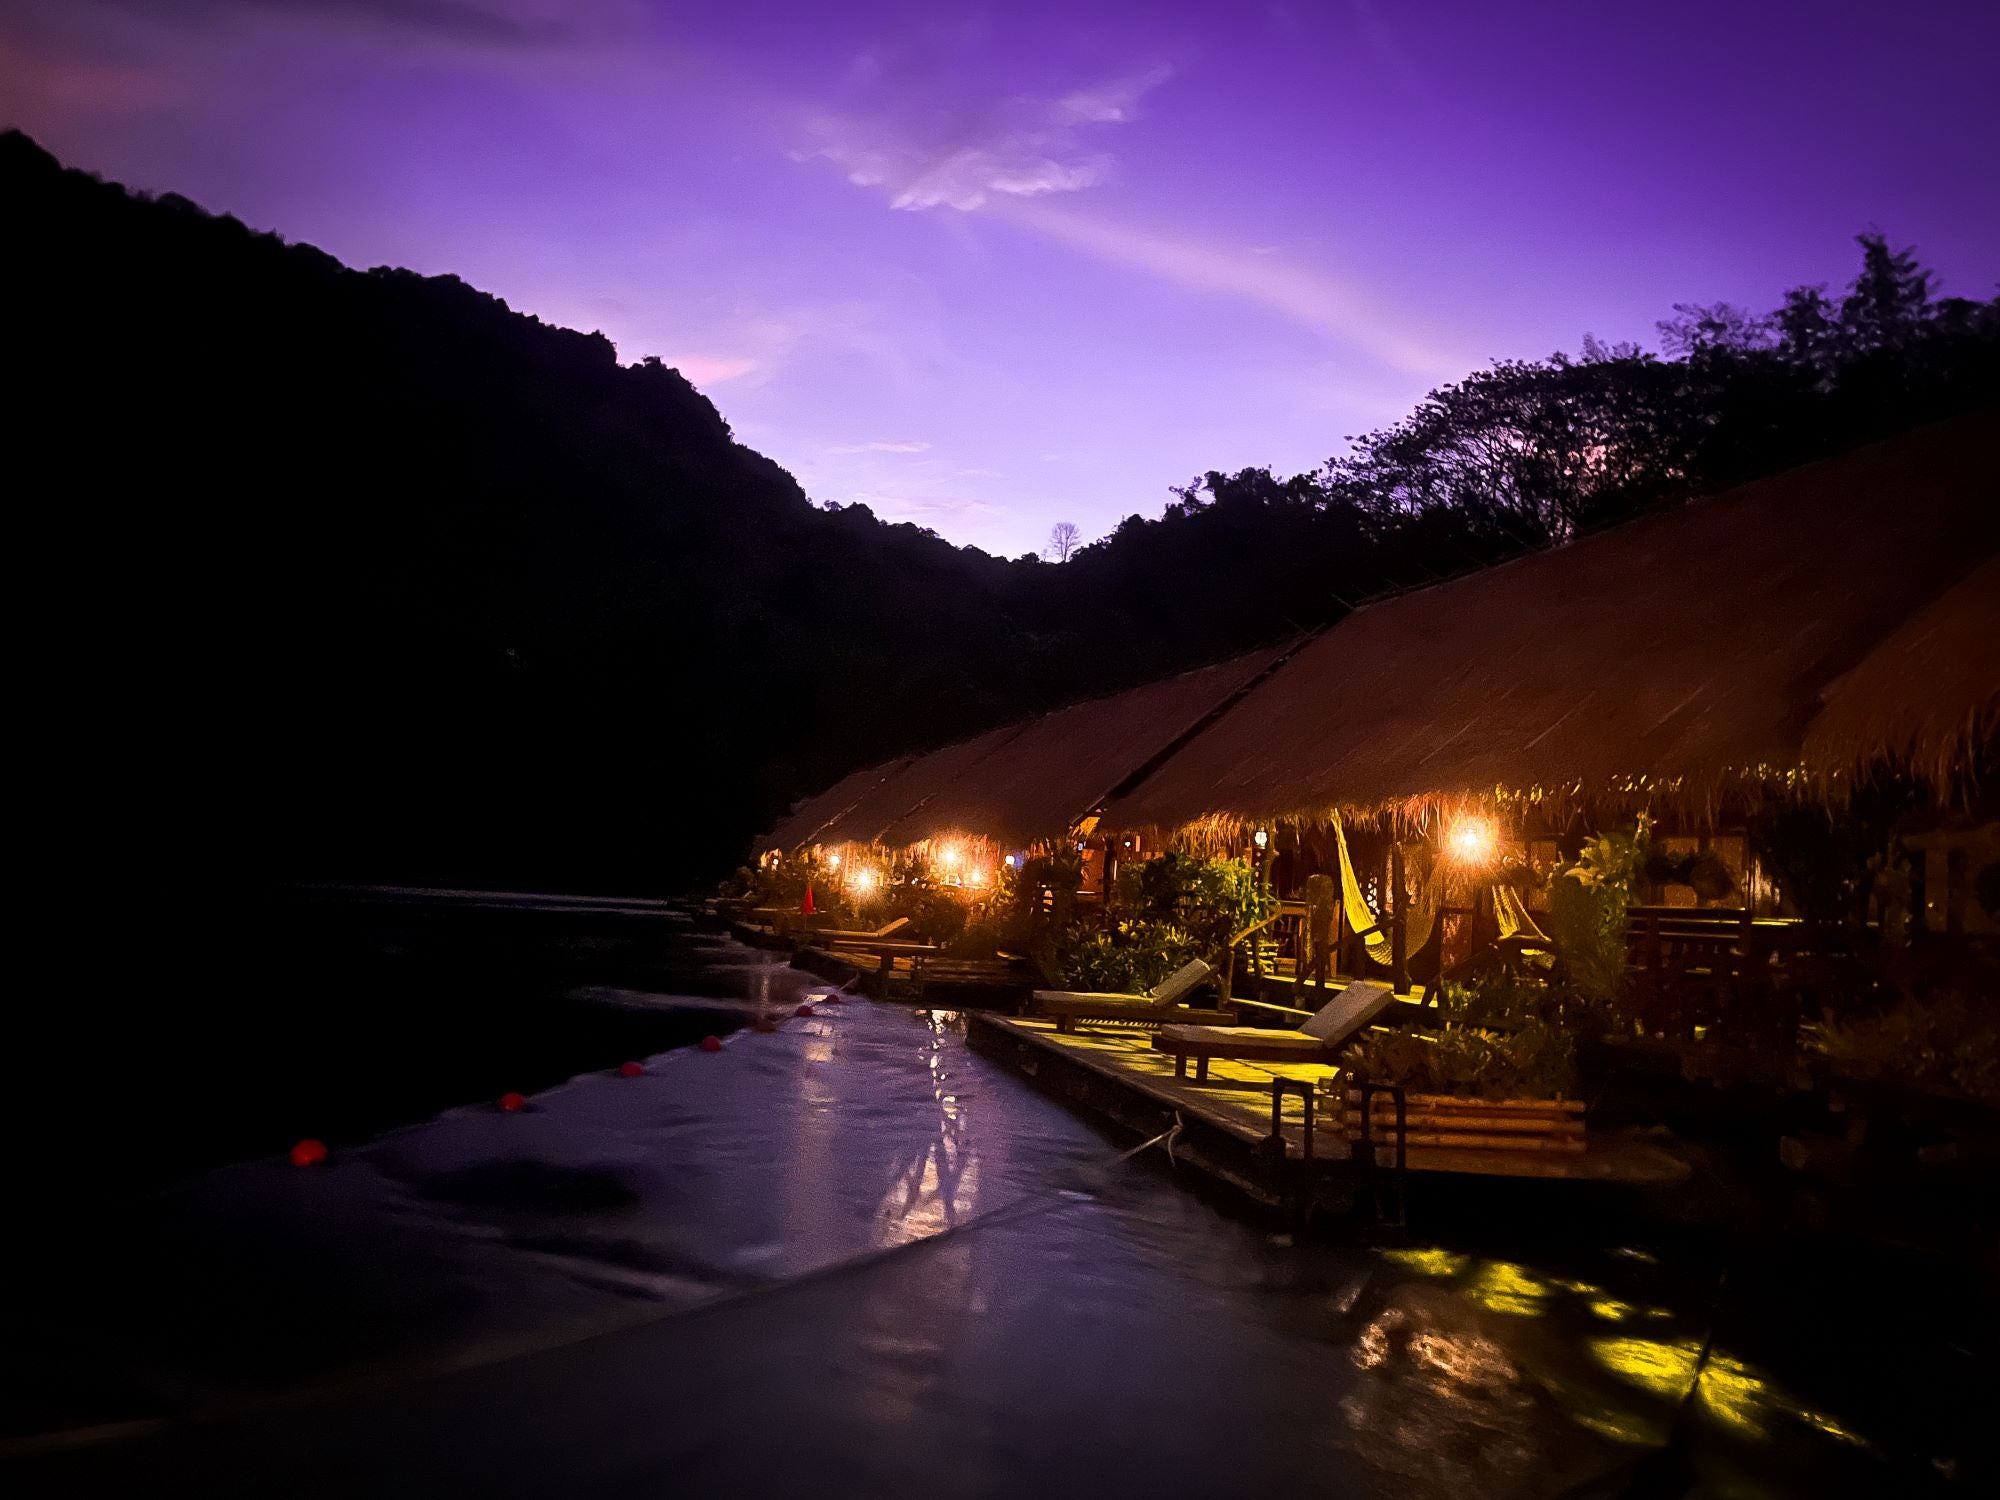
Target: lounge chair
(856, 937)
(1163, 1002)
(1319, 1038)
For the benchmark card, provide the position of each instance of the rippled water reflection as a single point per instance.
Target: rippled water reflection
(852, 1258)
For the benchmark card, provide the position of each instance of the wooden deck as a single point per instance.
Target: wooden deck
(1236, 1102)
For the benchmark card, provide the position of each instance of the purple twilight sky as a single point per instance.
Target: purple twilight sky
(986, 267)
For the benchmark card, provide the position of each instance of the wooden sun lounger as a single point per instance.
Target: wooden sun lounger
(855, 937)
(1319, 1039)
(1163, 1002)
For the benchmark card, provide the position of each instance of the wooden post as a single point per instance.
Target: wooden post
(1399, 957)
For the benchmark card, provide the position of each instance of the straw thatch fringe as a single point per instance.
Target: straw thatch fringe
(1673, 662)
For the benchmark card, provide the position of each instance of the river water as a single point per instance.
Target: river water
(849, 1257)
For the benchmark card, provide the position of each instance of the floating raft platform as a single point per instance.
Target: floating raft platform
(1113, 1071)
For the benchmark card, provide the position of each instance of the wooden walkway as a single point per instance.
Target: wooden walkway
(1237, 1102)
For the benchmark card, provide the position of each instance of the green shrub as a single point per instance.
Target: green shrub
(1126, 957)
(938, 914)
(1943, 1042)
(1209, 899)
(1538, 1061)
(1588, 904)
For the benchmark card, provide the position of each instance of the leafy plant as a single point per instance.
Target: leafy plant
(1210, 899)
(1508, 1002)
(1588, 904)
(937, 914)
(1127, 957)
(1044, 904)
(1537, 1061)
(1944, 1041)
(781, 879)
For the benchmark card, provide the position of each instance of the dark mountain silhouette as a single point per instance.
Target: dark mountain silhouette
(336, 574)
(364, 574)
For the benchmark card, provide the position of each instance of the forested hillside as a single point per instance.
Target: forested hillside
(345, 573)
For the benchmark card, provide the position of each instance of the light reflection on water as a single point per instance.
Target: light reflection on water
(1463, 1345)
(1166, 1341)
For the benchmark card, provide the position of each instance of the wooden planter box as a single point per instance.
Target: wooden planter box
(1482, 1124)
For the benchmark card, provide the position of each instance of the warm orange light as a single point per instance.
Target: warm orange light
(977, 877)
(833, 861)
(1473, 841)
(950, 857)
(863, 881)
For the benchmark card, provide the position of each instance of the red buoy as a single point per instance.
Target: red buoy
(711, 1044)
(513, 1103)
(308, 1153)
(803, 1010)
(630, 1070)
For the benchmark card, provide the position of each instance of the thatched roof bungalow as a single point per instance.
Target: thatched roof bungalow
(802, 824)
(1024, 782)
(1927, 697)
(1671, 656)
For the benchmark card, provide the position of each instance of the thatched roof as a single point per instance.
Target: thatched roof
(1927, 695)
(919, 779)
(1062, 766)
(1024, 781)
(1685, 646)
(802, 824)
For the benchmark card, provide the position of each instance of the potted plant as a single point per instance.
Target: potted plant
(1469, 1086)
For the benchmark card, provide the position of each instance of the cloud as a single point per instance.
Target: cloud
(1011, 160)
(511, 23)
(1302, 296)
(1019, 148)
(42, 81)
(880, 447)
(705, 369)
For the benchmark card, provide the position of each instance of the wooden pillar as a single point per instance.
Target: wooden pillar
(1399, 956)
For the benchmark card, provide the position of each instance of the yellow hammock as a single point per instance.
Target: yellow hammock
(1513, 916)
(1417, 923)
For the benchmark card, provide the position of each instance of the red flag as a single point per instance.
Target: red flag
(806, 907)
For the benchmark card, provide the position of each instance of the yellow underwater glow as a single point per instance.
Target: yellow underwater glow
(1429, 1262)
(1734, 1392)
(1504, 1288)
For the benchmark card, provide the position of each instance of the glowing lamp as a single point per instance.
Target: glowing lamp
(833, 861)
(1013, 861)
(1261, 838)
(1473, 841)
(950, 857)
(863, 881)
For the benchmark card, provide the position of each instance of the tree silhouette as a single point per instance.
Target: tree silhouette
(457, 597)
